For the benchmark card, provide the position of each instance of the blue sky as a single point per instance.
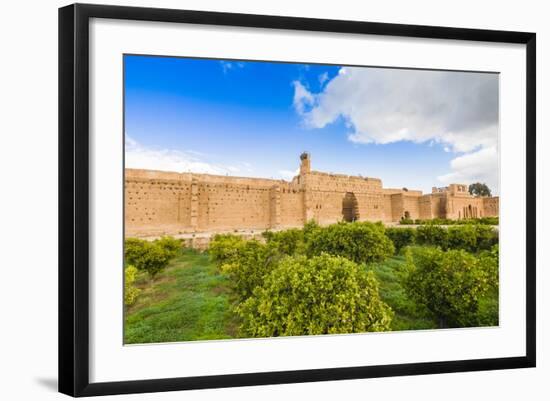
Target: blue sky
(255, 118)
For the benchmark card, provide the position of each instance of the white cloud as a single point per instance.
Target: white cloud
(142, 157)
(458, 110)
(323, 78)
(227, 65)
(302, 97)
(289, 174)
(479, 166)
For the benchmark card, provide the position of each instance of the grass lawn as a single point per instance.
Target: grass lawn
(189, 300)
(407, 315)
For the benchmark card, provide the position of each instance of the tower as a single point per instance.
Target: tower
(305, 163)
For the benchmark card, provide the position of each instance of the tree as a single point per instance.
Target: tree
(130, 291)
(479, 189)
(360, 242)
(322, 295)
(147, 256)
(451, 284)
(249, 265)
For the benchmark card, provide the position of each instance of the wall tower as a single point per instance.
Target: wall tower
(305, 163)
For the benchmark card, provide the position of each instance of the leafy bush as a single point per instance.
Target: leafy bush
(432, 235)
(224, 247)
(406, 221)
(487, 237)
(133, 249)
(491, 221)
(147, 256)
(450, 284)
(130, 292)
(309, 229)
(401, 237)
(249, 265)
(359, 242)
(470, 237)
(288, 242)
(321, 295)
(462, 237)
(170, 245)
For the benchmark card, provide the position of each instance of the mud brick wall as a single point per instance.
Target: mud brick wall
(491, 206)
(158, 203)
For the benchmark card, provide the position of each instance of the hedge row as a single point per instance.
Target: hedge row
(471, 237)
(490, 221)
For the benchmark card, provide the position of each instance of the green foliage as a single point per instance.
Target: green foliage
(189, 300)
(450, 284)
(130, 291)
(462, 237)
(491, 221)
(288, 242)
(147, 256)
(470, 237)
(406, 221)
(171, 246)
(408, 315)
(310, 228)
(479, 189)
(134, 248)
(359, 242)
(432, 235)
(486, 237)
(321, 295)
(249, 265)
(224, 247)
(401, 237)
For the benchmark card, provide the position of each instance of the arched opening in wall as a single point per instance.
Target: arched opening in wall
(407, 214)
(350, 209)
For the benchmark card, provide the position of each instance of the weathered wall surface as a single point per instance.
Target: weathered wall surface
(158, 203)
(465, 207)
(491, 206)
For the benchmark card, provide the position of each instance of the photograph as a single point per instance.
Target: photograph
(270, 198)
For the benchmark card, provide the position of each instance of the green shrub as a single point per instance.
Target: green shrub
(432, 235)
(288, 242)
(134, 248)
(450, 284)
(309, 229)
(359, 242)
(224, 247)
(406, 221)
(487, 237)
(462, 237)
(490, 221)
(401, 237)
(447, 222)
(249, 265)
(170, 245)
(147, 256)
(130, 292)
(321, 295)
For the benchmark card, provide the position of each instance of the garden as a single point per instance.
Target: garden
(343, 278)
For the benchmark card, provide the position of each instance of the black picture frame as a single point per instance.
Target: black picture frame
(74, 194)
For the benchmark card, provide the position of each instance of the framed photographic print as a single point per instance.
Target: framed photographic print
(250, 199)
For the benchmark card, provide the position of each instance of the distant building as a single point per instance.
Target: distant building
(159, 202)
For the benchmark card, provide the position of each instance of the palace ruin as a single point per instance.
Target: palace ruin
(159, 203)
